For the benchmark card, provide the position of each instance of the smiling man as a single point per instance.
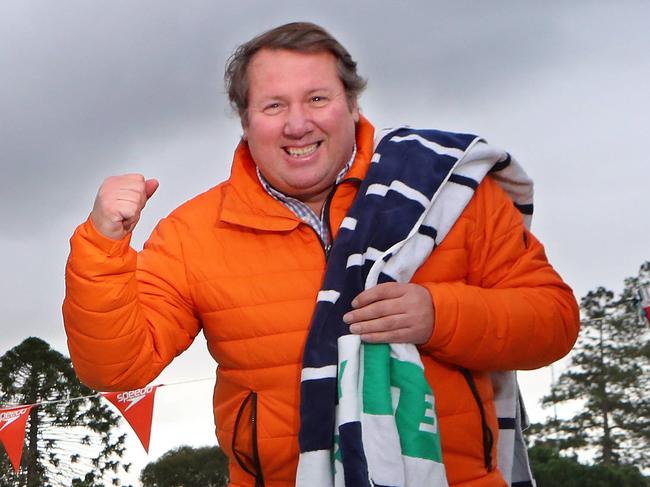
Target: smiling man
(300, 124)
(244, 263)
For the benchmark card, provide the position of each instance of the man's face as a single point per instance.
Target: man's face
(300, 127)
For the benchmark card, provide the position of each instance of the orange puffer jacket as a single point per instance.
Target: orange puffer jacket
(239, 265)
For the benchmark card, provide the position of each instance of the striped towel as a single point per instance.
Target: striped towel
(367, 412)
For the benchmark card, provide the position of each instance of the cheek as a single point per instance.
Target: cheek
(260, 134)
(344, 130)
(341, 121)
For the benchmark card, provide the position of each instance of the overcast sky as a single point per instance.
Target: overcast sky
(94, 88)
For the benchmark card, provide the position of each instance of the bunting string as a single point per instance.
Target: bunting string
(136, 406)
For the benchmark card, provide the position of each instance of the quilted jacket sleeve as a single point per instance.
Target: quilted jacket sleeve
(513, 311)
(126, 315)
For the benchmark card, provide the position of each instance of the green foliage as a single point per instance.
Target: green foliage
(552, 470)
(66, 441)
(607, 381)
(188, 467)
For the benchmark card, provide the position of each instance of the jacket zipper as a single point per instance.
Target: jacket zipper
(325, 216)
(488, 436)
(259, 477)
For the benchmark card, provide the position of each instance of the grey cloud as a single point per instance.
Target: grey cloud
(87, 84)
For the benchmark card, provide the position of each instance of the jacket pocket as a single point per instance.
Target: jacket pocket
(488, 436)
(244, 439)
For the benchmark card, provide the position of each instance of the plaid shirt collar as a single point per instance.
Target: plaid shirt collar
(302, 210)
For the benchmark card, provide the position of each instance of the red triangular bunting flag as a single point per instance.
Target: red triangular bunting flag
(12, 432)
(137, 408)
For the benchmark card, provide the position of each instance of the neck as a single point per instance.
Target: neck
(317, 205)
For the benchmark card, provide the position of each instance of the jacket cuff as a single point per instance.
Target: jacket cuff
(445, 311)
(106, 245)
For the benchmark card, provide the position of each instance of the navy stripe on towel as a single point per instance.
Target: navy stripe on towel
(525, 209)
(501, 165)
(428, 231)
(355, 467)
(319, 434)
(464, 181)
(506, 423)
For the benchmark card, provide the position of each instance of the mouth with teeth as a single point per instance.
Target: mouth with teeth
(302, 151)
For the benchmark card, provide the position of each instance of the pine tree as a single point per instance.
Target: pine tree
(607, 380)
(68, 442)
(637, 418)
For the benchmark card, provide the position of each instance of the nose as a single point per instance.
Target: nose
(298, 122)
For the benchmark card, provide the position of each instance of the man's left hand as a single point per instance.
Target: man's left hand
(392, 312)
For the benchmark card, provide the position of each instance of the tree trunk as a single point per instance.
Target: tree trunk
(607, 440)
(33, 474)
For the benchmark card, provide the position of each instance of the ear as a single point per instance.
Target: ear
(244, 127)
(354, 110)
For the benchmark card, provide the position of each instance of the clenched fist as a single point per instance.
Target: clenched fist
(118, 204)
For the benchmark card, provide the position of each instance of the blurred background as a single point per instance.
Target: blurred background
(90, 89)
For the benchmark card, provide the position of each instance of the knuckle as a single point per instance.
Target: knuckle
(373, 326)
(402, 336)
(358, 315)
(389, 337)
(381, 308)
(394, 321)
(378, 324)
(388, 288)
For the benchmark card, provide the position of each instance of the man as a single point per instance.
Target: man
(244, 263)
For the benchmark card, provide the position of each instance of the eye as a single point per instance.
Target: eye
(318, 100)
(272, 108)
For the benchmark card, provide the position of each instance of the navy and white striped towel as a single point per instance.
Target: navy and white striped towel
(367, 412)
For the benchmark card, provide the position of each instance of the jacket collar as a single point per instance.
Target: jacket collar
(247, 204)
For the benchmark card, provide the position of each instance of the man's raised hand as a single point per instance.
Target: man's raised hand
(119, 202)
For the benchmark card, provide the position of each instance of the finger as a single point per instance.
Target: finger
(135, 178)
(116, 186)
(385, 290)
(400, 335)
(133, 195)
(125, 210)
(127, 181)
(374, 310)
(150, 187)
(385, 323)
(130, 223)
(134, 191)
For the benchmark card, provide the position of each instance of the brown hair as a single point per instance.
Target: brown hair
(296, 36)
